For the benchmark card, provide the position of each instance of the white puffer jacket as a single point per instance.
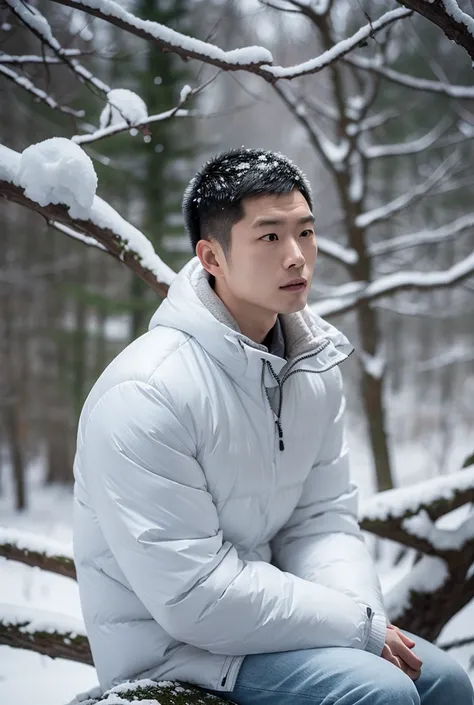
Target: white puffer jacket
(209, 525)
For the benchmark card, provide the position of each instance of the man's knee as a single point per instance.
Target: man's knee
(451, 684)
(392, 686)
(373, 681)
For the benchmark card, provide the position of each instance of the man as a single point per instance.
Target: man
(216, 537)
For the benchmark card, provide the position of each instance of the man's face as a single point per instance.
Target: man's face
(272, 245)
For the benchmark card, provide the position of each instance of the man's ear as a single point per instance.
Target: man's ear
(211, 256)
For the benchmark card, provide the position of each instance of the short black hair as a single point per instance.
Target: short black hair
(212, 202)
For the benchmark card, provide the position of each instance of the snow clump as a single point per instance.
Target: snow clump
(123, 106)
(58, 171)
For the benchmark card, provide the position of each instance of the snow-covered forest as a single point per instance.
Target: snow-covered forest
(107, 108)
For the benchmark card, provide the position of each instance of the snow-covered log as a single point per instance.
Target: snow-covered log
(435, 518)
(39, 551)
(149, 693)
(47, 633)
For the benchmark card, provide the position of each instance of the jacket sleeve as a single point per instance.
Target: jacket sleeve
(322, 541)
(159, 520)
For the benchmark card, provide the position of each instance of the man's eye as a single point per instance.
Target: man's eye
(307, 233)
(272, 237)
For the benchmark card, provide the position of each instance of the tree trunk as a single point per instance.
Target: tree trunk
(14, 440)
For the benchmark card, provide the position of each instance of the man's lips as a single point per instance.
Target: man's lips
(295, 285)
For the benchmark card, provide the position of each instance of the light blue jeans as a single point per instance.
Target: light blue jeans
(340, 676)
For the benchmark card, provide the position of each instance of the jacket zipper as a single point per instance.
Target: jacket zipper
(280, 383)
(229, 669)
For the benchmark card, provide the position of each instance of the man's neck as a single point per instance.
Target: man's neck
(254, 323)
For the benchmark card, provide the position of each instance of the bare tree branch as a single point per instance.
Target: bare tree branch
(373, 121)
(423, 237)
(348, 297)
(385, 212)
(37, 93)
(332, 154)
(446, 14)
(456, 644)
(38, 25)
(376, 151)
(34, 59)
(414, 82)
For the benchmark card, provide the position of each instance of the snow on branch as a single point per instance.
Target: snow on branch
(414, 82)
(332, 153)
(250, 58)
(437, 496)
(39, 26)
(254, 59)
(125, 110)
(344, 300)
(32, 550)
(446, 14)
(423, 237)
(372, 121)
(376, 151)
(425, 517)
(383, 213)
(89, 241)
(340, 49)
(339, 253)
(422, 526)
(37, 93)
(457, 354)
(48, 633)
(34, 59)
(54, 179)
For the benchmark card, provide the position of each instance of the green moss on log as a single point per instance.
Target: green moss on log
(165, 693)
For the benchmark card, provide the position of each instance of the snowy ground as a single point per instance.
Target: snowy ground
(26, 677)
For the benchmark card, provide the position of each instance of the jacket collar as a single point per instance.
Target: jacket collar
(194, 308)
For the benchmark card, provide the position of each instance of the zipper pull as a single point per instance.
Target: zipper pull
(280, 434)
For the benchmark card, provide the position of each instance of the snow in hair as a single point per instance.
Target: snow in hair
(231, 176)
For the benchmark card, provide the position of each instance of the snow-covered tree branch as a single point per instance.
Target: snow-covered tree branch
(347, 298)
(253, 59)
(28, 86)
(388, 210)
(38, 25)
(41, 179)
(423, 237)
(414, 82)
(446, 14)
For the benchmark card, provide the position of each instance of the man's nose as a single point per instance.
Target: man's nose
(293, 255)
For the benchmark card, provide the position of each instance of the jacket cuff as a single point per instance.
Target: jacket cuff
(377, 634)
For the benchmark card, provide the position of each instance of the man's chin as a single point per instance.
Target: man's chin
(293, 307)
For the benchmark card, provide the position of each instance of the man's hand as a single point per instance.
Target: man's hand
(397, 651)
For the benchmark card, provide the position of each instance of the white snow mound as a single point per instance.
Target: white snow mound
(59, 171)
(123, 105)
